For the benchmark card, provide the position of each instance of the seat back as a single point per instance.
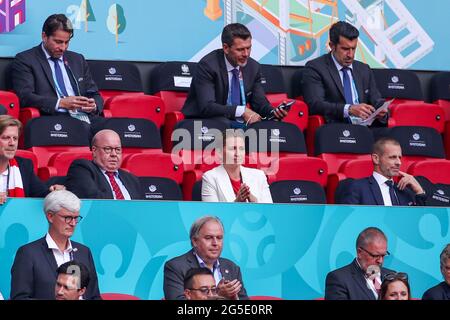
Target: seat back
(440, 91)
(137, 106)
(137, 135)
(157, 188)
(437, 171)
(10, 103)
(339, 142)
(47, 135)
(297, 85)
(418, 143)
(195, 140)
(116, 78)
(28, 155)
(161, 165)
(61, 162)
(171, 81)
(297, 191)
(298, 168)
(118, 296)
(398, 83)
(417, 114)
(438, 193)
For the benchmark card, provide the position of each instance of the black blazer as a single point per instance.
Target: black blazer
(209, 89)
(438, 292)
(32, 185)
(349, 283)
(33, 274)
(323, 91)
(33, 82)
(175, 271)
(86, 180)
(367, 191)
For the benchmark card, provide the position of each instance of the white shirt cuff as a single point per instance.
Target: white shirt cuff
(239, 111)
(346, 107)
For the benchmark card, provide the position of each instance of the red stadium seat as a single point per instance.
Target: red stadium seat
(59, 163)
(437, 171)
(28, 155)
(417, 114)
(10, 101)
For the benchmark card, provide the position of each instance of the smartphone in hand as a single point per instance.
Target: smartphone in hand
(286, 106)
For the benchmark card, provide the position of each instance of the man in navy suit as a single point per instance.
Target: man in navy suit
(379, 188)
(338, 87)
(227, 80)
(53, 79)
(206, 236)
(362, 278)
(102, 178)
(34, 271)
(442, 290)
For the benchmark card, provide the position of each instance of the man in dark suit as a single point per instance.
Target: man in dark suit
(53, 79)
(442, 290)
(102, 178)
(206, 236)
(338, 87)
(34, 271)
(17, 174)
(362, 278)
(380, 188)
(199, 284)
(72, 281)
(227, 80)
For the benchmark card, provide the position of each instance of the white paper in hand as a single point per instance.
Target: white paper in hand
(373, 116)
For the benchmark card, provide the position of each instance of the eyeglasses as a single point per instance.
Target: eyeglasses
(69, 219)
(108, 150)
(396, 276)
(375, 256)
(206, 290)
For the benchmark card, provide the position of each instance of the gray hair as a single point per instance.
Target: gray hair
(445, 255)
(198, 225)
(59, 199)
(369, 235)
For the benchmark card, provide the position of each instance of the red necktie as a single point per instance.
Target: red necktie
(115, 186)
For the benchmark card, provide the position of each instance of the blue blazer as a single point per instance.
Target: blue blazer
(349, 283)
(33, 274)
(33, 82)
(438, 292)
(366, 191)
(175, 271)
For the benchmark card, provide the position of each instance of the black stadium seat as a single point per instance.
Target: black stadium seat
(297, 191)
(158, 188)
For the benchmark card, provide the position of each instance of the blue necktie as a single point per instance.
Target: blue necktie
(235, 92)
(394, 198)
(59, 77)
(347, 86)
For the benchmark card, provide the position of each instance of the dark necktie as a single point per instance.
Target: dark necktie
(235, 92)
(116, 189)
(392, 193)
(347, 86)
(59, 77)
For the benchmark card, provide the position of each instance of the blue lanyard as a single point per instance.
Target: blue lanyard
(355, 91)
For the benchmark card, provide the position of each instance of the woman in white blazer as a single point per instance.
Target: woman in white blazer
(231, 181)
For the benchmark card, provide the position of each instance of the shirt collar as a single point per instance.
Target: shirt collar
(52, 244)
(228, 65)
(47, 56)
(116, 173)
(338, 65)
(203, 264)
(380, 178)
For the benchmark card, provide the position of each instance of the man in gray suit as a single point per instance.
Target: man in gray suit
(338, 87)
(206, 236)
(362, 278)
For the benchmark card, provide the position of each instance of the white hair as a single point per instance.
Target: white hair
(59, 199)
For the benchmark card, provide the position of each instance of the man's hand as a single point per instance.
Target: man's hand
(250, 116)
(280, 113)
(381, 115)
(90, 107)
(229, 289)
(73, 102)
(361, 110)
(409, 180)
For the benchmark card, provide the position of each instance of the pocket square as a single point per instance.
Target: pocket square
(249, 93)
(366, 91)
(80, 79)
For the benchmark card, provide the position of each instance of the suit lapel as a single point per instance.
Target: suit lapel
(335, 75)
(45, 66)
(223, 72)
(361, 281)
(67, 63)
(104, 184)
(358, 83)
(49, 257)
(376, 192)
